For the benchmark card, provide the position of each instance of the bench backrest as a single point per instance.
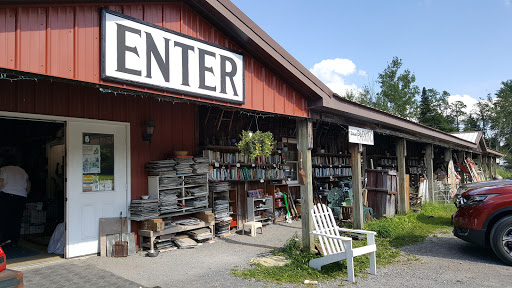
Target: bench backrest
(324, 223)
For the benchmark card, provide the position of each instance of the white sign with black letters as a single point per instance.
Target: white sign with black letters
(137, 52)
(359, 135)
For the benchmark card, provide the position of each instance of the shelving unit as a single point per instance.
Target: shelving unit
(331, 165)
(228, 164)
(219, 197)
(233, 207)
(259, 209)
(179, 194)
(279, 206)
(147, 237)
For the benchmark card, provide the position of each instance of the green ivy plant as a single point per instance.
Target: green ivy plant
(256, 144)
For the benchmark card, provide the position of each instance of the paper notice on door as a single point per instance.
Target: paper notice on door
(91, 159)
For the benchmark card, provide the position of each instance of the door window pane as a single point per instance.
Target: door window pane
(97, 162)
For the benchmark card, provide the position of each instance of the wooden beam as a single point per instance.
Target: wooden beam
(305, 135)
(429, 163)
(357, 190)
(402, 189)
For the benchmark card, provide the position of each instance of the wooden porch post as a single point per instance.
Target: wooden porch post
(357, 191)
(305, 144)
(429, 163)
(460, 158)
(489, 167)
(494, 167)
(402, 189)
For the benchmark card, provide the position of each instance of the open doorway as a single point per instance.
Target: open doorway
(39, 148)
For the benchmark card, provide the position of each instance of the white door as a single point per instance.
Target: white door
(97, 158)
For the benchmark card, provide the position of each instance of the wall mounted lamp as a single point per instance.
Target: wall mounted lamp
(148, 131)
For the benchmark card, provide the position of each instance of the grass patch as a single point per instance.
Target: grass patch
(505, 173)
(393, 233)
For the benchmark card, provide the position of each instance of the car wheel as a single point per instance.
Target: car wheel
(501, 239)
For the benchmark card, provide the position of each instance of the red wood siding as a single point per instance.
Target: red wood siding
(64, 41)
(175, 123)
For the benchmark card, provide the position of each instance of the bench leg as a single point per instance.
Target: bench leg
(373, 263)
(350, 269)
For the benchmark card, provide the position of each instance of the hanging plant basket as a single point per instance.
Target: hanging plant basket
(256, 144)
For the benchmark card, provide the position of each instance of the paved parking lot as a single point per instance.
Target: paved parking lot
(444, 261)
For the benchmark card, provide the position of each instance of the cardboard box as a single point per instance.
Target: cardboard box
(153, 226)
(206, 216)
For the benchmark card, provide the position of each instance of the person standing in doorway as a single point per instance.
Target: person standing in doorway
(14, 187)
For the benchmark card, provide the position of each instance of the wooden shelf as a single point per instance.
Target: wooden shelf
(331, 154)
(219, 147)
(331, 166)
(334, 176)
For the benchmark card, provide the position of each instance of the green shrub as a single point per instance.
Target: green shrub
(505, 173)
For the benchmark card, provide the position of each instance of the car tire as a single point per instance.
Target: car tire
(501, 239)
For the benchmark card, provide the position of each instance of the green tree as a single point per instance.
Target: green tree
(434, 110)
(502, 121)
(426, 110)
(471, 124)
(457, 112)
(397, 93)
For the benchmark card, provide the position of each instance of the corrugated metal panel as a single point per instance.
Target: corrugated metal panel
(7, 37)
(175, 123)
(64, 41)
(468, 136)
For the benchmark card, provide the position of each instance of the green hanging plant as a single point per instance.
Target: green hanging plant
(256, 144)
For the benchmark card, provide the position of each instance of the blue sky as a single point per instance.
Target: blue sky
(463, 47)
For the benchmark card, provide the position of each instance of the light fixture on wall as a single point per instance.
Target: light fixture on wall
(148, 131)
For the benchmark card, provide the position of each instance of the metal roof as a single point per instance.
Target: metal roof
(468, 136)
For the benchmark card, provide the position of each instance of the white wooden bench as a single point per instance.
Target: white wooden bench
(337, 248)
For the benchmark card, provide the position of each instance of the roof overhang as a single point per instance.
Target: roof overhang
(352, 113)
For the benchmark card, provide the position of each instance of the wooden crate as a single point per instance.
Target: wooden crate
(382, 188)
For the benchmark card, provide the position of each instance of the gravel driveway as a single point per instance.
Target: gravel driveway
(444, 261)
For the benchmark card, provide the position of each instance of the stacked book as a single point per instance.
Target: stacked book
(144, 209)
(197, 191)
(195, 180)
(160, 168)
(200, 234)
(169, 200)
(220, 191)
(197, 202)
(184, 166)
(200, 165)
(170, 182)
(164, 244)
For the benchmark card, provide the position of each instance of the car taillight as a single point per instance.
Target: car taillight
(3, 263)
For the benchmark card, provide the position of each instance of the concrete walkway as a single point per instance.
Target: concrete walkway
(208, 265)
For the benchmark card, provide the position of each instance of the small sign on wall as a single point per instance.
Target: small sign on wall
(360, 135)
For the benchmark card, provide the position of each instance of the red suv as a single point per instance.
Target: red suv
(484, 216)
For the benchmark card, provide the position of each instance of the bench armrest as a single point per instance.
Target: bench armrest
(358, 231)
(342, 238)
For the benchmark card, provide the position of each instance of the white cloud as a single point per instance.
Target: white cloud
(468, 100)
(333, 72)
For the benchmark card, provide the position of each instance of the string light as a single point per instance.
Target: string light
(12, 76)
